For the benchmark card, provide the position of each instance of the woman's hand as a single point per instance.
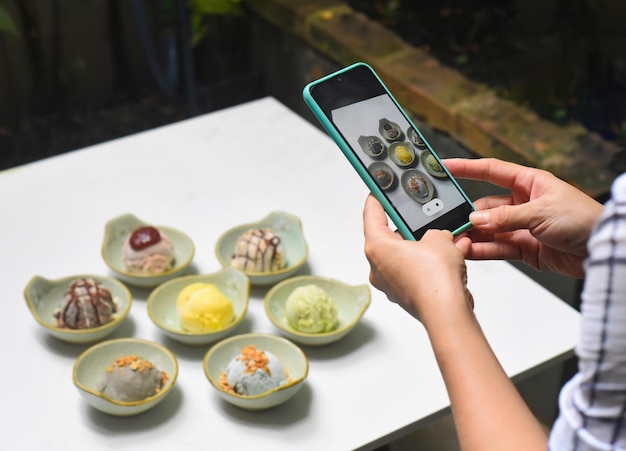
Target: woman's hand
(428, 279)
(544, 221)
(425, 277)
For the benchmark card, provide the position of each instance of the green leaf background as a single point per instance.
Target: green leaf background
(6, 22)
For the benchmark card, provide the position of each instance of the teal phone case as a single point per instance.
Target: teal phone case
(358, 166)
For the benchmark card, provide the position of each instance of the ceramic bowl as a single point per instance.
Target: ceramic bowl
(432, 166)
(44, 296)
(408, 148)
(288, 227)
(351, 301)
(290, 355)
(383, 175)
(162, 304)
(417, 185)
(90, 367)
(116, 232)
(415, 138)
(373, 146)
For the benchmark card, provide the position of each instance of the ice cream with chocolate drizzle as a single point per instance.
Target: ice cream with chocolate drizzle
(259, 250)
(85, 305)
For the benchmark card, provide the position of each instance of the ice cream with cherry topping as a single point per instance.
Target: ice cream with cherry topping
(253, 372)
(259, 250)
(87, 304)
(147, 250)
(131, 378)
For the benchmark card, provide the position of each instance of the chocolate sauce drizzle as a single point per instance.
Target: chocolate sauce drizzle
(261, 246)
(86, 304)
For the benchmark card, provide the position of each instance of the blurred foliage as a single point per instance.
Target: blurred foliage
(200, 10)
(77, 72)
(6, 22)
(216, 6)
(203, 10)
(566, 59)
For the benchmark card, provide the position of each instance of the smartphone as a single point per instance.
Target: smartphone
(388, 152)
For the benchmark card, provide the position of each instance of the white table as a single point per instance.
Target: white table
(203, 176)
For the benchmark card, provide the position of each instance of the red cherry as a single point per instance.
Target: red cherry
(144, 237)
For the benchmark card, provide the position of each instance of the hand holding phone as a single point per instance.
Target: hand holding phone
(388, 152)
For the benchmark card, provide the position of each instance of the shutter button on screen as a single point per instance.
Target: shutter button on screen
(432, 207)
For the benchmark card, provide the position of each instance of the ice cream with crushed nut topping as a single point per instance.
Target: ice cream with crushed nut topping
(253, 372)
(131, 378)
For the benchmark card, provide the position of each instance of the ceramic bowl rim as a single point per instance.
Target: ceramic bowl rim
(392, 155)
(242, 228)
(119, 316)
(150, 301)
(423, 157)
(141, 276)
(313, 278)
(169, 385)
(429, 183)
(251, 336)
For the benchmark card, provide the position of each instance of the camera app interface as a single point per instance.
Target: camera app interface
(398, 160)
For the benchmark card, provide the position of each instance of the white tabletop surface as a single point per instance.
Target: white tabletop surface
(203, 176)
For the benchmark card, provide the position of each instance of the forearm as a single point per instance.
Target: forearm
(488, 411)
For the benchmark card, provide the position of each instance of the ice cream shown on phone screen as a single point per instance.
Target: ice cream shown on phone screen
(424, 193)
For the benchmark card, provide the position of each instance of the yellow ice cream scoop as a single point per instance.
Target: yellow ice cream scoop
(404, 155)
(202, 308)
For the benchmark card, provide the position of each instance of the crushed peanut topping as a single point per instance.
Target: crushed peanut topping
(135, 363)
(254, 360)
(224, 383)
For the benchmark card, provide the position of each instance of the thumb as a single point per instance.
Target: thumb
(505, 218)
(374, 218)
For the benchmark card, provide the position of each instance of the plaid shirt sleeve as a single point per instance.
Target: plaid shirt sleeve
(593, 403)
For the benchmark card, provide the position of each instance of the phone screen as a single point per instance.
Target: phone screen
(394, 153)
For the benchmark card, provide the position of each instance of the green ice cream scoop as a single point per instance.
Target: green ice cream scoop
(309, 309)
